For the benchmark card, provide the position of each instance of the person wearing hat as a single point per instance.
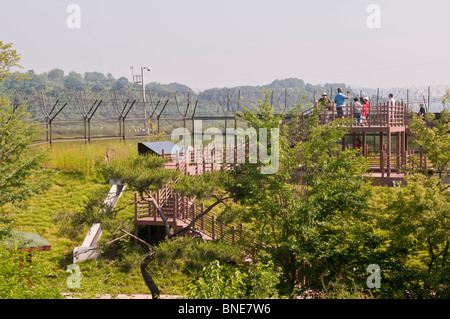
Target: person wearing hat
(324, 100)
(324, 103)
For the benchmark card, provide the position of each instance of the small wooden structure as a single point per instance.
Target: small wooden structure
(31, 242)
(181, 210)
(387, 160)
(162, 148)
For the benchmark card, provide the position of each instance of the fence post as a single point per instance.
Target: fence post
(388, 151)
(135, 206)
(194, 211)
(233, 236)
(213, 227)
(202, 222)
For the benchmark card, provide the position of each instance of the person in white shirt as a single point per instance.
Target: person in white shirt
(391, 99)
(391, 102)
(357, 106)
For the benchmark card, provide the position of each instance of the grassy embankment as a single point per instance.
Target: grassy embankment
(74, 181)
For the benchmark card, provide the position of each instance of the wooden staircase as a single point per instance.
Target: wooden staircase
(180, 211)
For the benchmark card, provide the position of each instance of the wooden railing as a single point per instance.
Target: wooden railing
(186, 209)
(382, 115)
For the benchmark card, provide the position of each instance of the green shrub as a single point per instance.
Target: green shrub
(234, 282)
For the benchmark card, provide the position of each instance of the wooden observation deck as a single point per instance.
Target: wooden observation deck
(388, 161)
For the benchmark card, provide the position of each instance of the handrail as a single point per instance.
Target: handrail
(383, 114)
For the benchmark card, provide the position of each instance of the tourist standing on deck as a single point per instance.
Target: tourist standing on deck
(339, 99)
(324, 103)
(365, 110)
(357, 111)
(391, 99)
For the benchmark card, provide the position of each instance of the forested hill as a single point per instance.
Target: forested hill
(175, 99)
(56, 81)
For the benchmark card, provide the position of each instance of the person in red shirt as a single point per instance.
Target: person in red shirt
(365, 110)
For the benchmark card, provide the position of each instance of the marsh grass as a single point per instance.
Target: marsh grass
(85, 159)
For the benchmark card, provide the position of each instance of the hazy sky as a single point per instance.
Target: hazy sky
(209, 43)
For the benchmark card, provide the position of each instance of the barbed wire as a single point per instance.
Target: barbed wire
(216, 102)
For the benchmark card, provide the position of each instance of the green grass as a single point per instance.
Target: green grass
(82, 158)
(69, 191)
(73, 179)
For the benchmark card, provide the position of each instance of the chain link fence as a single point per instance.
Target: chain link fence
(125, 113)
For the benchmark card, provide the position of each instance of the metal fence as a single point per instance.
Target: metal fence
(85, 116)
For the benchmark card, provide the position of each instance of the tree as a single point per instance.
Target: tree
(121, 83)
(145, 174)
(310, 215)
(20, 178)
(56, 75)
(18, 167)
(73, 81)
(9, 58)
(221, 282)
(416, 222)
(432, 135)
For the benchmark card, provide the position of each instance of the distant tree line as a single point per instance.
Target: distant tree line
(57, 84)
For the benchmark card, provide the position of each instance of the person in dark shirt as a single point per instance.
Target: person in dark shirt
(324, 103)
(421, 110)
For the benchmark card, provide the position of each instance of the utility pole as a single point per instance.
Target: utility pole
(139, 79)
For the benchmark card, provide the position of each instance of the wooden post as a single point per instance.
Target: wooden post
(398, 152)
(233, 235)
(364, 145)
(213, 158)
(404, 153)
(388, 151)
(175, 215)
(135, 206)
(194, 210)
(381, 154)
(202, 222)
(176, 206)
(213, 227)
(203, 160)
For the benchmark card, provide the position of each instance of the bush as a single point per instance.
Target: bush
(24, 277)
(232, 282)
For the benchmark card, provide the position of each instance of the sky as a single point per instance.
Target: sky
(210, 43)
